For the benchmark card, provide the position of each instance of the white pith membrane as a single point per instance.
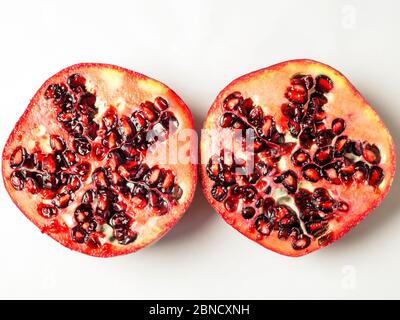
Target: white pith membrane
(138, 217)
(281, 194)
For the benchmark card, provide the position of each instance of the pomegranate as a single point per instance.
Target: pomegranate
(93, 160)
(293, 157)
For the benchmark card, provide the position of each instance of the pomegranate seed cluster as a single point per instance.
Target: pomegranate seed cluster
(103, 161)
(323, 152)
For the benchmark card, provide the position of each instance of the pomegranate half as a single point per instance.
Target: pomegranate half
(93, 160)
(293, 156)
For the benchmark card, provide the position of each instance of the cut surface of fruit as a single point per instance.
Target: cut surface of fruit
(103, 159)
(293, 157)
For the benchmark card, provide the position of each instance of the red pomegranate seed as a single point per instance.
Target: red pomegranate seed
(231, 204)
(263, 225)
(301, 242)
(49, 164)
(371, 153)
(148, 110)
(330, 173)
(226, 120)
(18, 157)
(232, 101)
(323, 155)
(160, 104)
(99, 178)
(305, 80)
(311, 173)
(77, 83)
(323, 84)
(341, 146)
(62, 200)
(47, 211)
(338, 126)
(300, 158)
(57, 143)
(31, 185)
(375, 176)
(297, 93)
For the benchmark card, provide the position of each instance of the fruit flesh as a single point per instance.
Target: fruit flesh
(122, 91)
(269, 89)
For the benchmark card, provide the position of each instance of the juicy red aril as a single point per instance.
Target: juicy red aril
(294, 127)
(49, 164)
(263, 225)
(77, 83)
(83, 169)
(62, 200)
(82, 146)
(300, 158)
(160, 104)
(175, 193)
(347, 170)
(323, 155)
(323, 84)
(88, 197)
(158, 203)
(69, 158)
(18, 157)
(155, 176)
(125, 236)
(375, 176)
(316, 228)
(288, 179)
(47, 211)
(355, 147)
(50, 91)
(361, 171)
(324, 138)
(319, 114)
(109, 120)
(168, 181)
(341, 146)
(342, 206)
(268, 127)
(231, 204)
(246, 106)
(31, 185)
(149, 111)
(169, 121)
(371, 153)
(67, 116)
(125, 127)
(306, 138)
(338, 126)
(305, 80)
(87, 100)
(83, 213)
(99, 177)
(79, 235)
(297, 93)
(232, 101)
(255, 116)
(74, 183)
(311, 172)
(249, 193)
(139, 121)
(330, 173)
(213, 168)
(301, 242)
(248, 212)
(227, 120)
(57, 143)
(119, 220)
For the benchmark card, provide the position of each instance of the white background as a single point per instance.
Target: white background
(197, 47)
